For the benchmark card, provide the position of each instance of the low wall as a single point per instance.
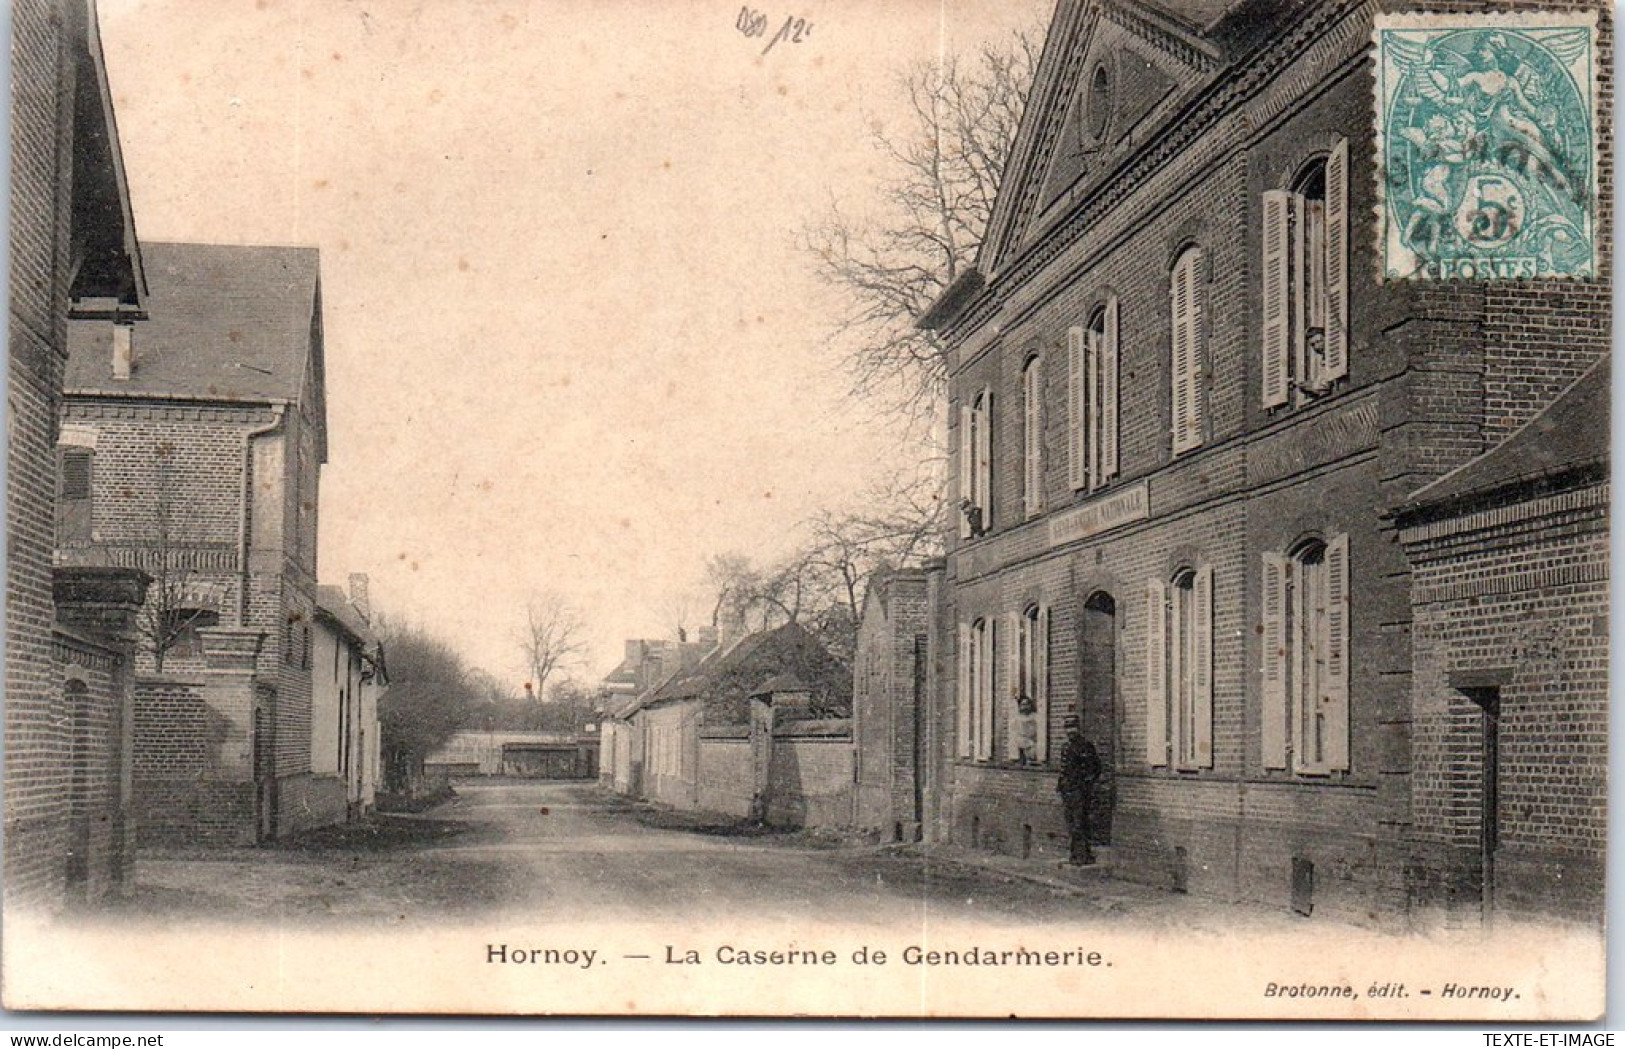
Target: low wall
(725, 777)
(809, 781)
(306, 802)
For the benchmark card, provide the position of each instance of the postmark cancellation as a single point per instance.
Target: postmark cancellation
(1486, 136)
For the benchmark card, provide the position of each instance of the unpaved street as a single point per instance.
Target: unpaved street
(535, 849)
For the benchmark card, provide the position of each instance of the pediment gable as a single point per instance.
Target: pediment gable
(1112, 73)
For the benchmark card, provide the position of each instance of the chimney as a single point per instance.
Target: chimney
(634, 652)
(358, 595)
(123, 351)
(707, 636)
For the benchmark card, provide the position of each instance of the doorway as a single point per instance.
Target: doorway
(1097, 704)
(264, 771)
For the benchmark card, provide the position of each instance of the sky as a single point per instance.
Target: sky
(571, 345)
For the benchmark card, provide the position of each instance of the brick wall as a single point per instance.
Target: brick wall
(36, 769)
(892, 643)
(725, 775)
(810, 782)
(1522, 590)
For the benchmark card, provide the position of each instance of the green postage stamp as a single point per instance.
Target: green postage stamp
(1487, 145)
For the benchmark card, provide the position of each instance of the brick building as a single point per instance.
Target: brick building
(68, 650)
(1510, 655)
(897, 650)
(191, 447)
(1172, 471)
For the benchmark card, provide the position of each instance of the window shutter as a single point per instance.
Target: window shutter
(1032, 383)
(1180, 363)
(967, 465)
(1075, 444)
(967, 682)
(1187, 326)
(984, 713)
(983, 481)
(1106, 426)
(1015, 639)
(1202, 670)
(1336, 701)
(1156, 674)
(1193, 321)
(1273, 657)
(1277, 308)
(1337, 268)
(1041, 681)
(1091, 410)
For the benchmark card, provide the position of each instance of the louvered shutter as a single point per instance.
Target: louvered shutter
(1180, 307)
(983, 480)
(1337, 262)
(967, 682)
(1032, 392)
(1041, 681)
(1091, 411)
(1014, 641)
(1156, 674)
(1187, 367)
(1075, 441)
(984, 712)
(1201, 670)
(1335, 705)
(1277, 307)
(1273, 661)
(967, 465)
(1106, 426)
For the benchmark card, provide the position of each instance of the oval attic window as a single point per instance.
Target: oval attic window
(1100, 103)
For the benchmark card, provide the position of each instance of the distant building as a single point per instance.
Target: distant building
(712, 735)
(521, 753)
(648, 664)
(69, 837)
(348, 678)
(1509, 556)
(192, 449)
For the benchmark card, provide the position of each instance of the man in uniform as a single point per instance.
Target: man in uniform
(1080, 768)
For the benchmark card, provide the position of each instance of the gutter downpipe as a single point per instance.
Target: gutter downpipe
(243, 537)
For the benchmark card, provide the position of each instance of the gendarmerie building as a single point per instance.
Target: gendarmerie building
(1183, 399)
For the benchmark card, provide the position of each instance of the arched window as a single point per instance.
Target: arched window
(1305, 282)
(1189, 397)
(976, 689)
(1028, 729)
(1305, 668)
(976, 465)
(1092, 359)
(1179, 670)
(1032, 445)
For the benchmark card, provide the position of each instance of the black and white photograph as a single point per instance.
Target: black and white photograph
(1038, 509)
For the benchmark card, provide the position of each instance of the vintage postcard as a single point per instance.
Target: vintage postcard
(1080, 509)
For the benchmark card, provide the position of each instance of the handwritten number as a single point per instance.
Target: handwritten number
(753, 23)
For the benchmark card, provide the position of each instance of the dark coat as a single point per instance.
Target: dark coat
(1080, 765)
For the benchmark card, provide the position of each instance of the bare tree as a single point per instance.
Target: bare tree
(552, 638)
(892, 259)
(176, 598)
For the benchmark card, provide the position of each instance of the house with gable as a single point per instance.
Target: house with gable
(69, 653)
(1182, 395)
(191, 448)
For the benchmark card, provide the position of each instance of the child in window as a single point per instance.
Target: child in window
(1026, 730)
